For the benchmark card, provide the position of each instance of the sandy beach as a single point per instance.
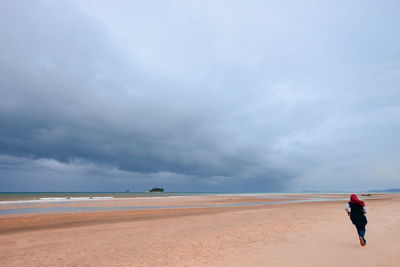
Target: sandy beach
(294, 234)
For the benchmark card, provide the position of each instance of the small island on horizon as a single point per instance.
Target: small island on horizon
(156, 190)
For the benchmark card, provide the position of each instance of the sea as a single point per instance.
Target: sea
(11, 196)
(10, 202)
(7, 196)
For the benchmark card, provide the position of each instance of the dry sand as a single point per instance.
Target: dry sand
(302, 234)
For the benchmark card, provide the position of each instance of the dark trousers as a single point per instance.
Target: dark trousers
(361, 230)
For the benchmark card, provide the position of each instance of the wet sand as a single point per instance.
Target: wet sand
(297, 234)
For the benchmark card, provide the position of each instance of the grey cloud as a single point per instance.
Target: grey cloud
(280, 99)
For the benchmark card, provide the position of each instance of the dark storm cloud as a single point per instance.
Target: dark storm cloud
(120, 95)
(68, 93)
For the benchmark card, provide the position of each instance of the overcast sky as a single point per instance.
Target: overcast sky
(239, 96)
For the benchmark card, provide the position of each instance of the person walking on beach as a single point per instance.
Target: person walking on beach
(356, 209)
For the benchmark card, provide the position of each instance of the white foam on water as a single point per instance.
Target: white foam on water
(54, 199)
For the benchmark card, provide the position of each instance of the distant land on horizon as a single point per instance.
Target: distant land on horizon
(390, 190)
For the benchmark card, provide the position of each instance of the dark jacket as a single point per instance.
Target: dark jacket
(357, 215)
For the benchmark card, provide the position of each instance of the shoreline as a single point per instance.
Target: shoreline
(36, 196)
(100, 204)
